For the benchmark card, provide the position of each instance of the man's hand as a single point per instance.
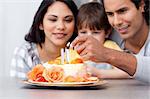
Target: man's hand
(89, 48)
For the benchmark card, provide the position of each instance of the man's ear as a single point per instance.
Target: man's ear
(41, 27)
(142, 5)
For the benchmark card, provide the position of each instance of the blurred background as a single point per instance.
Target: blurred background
(15, 20)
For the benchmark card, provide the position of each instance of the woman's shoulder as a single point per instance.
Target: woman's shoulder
(25, 48)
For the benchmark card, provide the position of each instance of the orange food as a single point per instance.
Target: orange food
(54, 71)
(54, 74)
(80, 79)
(76, 61)
(70, 79)
(56, 61)
(92, 78)
(36, 73)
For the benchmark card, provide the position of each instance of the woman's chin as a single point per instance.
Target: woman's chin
(60, 44)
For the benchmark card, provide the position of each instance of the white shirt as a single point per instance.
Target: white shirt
(143, 58)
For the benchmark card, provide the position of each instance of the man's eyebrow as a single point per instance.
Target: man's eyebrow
(124, 8)
(118, 10)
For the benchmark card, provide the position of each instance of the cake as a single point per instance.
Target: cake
(53, 71)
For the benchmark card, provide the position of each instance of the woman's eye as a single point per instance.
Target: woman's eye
(53, 20)
(68, 20)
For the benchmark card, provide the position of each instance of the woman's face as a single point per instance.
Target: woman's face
(58, 24)
(97, 34)
(124, 17)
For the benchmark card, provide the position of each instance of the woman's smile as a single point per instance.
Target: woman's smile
(59, 35)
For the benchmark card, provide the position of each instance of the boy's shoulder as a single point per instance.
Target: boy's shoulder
(111, 44)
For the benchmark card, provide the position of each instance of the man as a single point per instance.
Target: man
(130, 18)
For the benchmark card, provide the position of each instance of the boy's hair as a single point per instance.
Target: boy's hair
(92, 15)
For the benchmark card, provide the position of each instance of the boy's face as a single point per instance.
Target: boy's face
(97, 34)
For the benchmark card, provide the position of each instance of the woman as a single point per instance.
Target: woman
(53, 26)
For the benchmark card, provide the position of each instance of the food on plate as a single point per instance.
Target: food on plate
(54, 71)
(53, 74)
(36, 73)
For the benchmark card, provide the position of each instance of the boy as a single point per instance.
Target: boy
(92, 21)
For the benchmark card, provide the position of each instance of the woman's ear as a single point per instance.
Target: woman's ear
(41, 27)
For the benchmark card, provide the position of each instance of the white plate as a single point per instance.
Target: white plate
(67, 84)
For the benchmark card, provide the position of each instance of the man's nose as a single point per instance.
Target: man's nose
(117, 21)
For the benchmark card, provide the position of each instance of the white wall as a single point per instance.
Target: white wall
(15, 20)
(16, 17)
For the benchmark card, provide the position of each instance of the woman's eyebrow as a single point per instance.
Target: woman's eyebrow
(52, 15)
(69, 16)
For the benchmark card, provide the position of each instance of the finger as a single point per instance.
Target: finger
(85, 57)
(84, 52)
(79, 39)
(80, 48)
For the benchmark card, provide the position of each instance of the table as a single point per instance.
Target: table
(114, 89)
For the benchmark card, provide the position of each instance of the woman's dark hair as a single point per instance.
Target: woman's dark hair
(146, 8)
(93, 15)
(38, 36)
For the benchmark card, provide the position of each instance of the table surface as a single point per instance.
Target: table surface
(114, 89)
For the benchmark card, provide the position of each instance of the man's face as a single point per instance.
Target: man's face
(124, 17)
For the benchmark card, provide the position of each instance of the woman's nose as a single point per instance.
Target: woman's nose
(60, 25)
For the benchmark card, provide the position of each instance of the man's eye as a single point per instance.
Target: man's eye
(109, 14)
(121, 11)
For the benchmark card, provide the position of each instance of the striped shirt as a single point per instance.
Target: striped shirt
(24, 59)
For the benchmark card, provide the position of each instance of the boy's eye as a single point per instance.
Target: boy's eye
(95, 32)
(83, 32)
